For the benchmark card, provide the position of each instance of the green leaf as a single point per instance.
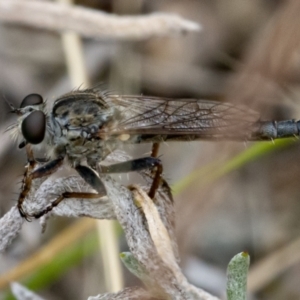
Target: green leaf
(237, 272)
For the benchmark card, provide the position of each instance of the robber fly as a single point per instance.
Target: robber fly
(85, 126)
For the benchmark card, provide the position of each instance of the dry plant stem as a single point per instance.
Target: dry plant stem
(132, 293)
(48, 252)
(109, 247)
(266, 270)
(10, 226)
(150, 237)
(73, 50)
(158, 232)
(74, 58)
(21, 292)
(99, 208)
(150, 243)
(89, 23)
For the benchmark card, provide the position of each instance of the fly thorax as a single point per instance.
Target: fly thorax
(106, 117)
(54, 127)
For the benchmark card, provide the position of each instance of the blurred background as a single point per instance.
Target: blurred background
(247, 52)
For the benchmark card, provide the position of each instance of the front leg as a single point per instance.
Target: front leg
(29, 175)
(89, 176)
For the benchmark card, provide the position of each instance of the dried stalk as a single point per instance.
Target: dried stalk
(148, 228)
(91, 23)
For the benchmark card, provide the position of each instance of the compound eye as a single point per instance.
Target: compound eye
(33, 127)
(31, 99)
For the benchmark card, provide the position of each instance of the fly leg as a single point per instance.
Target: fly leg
(29, 175)
(89, 176)
(157, 176)
(27, 181)
(63, 196)
(155, 149)
(92, 178)
(136, 165)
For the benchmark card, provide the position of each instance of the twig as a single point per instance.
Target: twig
(90, 23)
(10, 226)
(150, 241)
(21, 292)
(132, 293)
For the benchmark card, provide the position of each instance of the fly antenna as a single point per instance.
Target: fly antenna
(13, 109)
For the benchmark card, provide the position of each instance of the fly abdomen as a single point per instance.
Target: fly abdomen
(278, 129)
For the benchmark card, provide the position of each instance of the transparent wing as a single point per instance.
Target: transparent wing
(152, 116)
